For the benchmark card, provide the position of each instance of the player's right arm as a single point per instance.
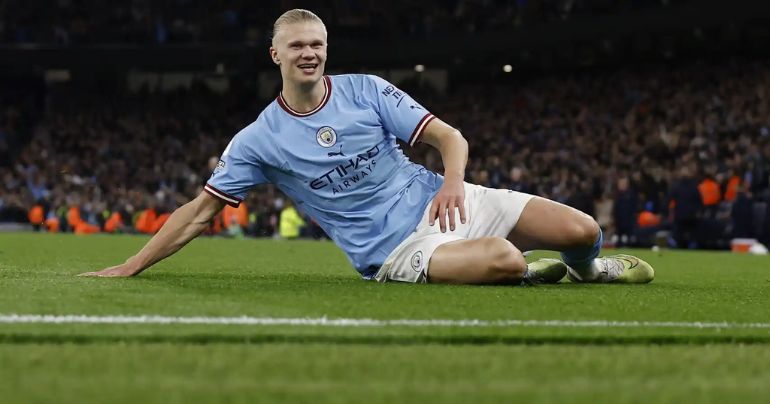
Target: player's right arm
(183, 225)
(237, 171)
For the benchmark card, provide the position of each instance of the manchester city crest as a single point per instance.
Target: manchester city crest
(326, 136)
(416, 261)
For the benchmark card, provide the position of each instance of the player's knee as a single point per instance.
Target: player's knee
(584, 231)
(507, 262)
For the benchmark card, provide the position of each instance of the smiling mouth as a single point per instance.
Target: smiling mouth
(308, 68)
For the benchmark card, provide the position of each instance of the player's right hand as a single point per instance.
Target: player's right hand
(450, 196)
(117, 271)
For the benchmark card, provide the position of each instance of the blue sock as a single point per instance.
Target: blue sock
(581, 258)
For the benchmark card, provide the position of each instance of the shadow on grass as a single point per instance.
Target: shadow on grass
(405, 340)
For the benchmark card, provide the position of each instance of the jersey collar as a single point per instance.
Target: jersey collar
(327, 94)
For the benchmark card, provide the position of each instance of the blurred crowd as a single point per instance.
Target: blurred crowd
(75, 22)
(688, 146)
(682, 150)
(134, 157)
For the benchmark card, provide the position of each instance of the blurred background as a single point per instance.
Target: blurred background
(653, 116)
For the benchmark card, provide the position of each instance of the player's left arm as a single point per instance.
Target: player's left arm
(454, 153)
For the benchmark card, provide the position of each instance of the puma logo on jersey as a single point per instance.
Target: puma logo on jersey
(340, 153)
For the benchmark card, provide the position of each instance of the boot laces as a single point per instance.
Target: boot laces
(611, 267)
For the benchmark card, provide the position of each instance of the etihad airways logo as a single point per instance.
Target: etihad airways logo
(349, 173)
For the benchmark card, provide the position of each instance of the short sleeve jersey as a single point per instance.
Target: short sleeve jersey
(340, 163)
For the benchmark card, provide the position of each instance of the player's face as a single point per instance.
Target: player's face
(300, 51)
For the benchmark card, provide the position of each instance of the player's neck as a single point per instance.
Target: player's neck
(303, 98)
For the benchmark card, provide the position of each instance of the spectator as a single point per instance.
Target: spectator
(624, 212)
(291, 223)
(710, 194)
(742, 215)
(687, 208)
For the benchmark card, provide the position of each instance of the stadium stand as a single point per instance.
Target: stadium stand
(623, 139)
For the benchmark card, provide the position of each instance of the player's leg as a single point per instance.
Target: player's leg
(475, 252)
(490, 260)
(486, 260)
(547, 225)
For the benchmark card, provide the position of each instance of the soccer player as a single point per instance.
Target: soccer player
(329, 143)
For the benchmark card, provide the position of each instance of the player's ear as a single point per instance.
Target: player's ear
(274, 56)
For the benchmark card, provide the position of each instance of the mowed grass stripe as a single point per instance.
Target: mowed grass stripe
(324, 373)
(380, 340)
(360, 322)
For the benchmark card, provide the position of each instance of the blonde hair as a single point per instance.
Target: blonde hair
(294, 16)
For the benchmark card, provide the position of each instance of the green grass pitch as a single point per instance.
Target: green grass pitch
(699, 333)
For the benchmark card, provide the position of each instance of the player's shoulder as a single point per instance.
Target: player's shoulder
(356, 81)
(267, 122)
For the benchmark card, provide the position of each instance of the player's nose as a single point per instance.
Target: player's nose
(307, 53)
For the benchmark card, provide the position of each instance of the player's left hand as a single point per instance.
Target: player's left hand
(450, 196)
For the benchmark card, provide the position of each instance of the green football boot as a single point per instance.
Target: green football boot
(620, 268)
(545, 270)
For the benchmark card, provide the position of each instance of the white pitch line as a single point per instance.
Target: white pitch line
(360, 322)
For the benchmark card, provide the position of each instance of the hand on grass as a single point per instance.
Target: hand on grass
(117, 271)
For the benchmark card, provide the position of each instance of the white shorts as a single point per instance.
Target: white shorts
(489, 213)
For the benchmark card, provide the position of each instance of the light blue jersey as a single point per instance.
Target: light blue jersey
(340, 164)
